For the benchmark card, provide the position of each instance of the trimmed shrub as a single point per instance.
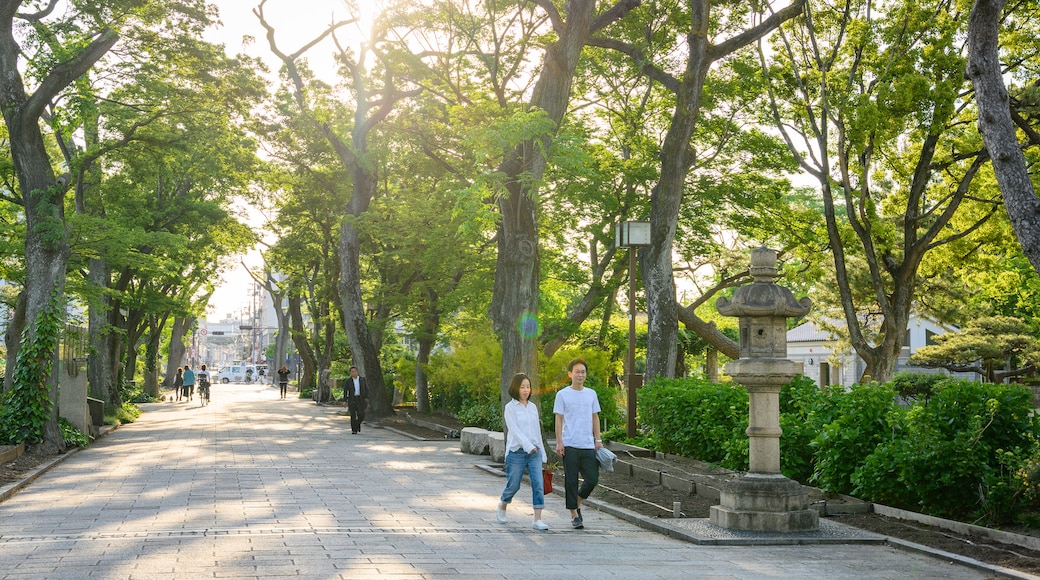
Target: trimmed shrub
(863, 419)
(957, 455)
(697, 418)
(804, 410)
(917, 386)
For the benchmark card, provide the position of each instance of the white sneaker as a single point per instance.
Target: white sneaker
(502, 516)
(540, 525)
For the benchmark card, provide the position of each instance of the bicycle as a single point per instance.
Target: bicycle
(204, 393)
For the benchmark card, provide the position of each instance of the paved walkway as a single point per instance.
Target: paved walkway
(256, 487)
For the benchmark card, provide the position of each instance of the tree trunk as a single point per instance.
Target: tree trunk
(299, 336)
(366, 358)
(281, 340)
(514, 303)
(422, 385)
(666, 198)
(106, 342)
(151, 359)
(177, 349)
(998, 129)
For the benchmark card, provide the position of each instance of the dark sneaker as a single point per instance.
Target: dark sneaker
(577, 523)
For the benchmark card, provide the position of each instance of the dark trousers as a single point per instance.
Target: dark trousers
(357, 413)
(577, 461)
(283, 387)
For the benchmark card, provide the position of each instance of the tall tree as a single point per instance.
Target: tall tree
(1000, 118)
(373, 101)
(868, 97)
(995, 347)
(43, 192)
(677, 155)
(514, 303)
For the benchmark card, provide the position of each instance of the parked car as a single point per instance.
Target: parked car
(235, 373)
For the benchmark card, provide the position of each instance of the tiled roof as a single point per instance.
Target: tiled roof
(809, 332)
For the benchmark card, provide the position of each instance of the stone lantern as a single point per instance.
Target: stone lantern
(764, 500)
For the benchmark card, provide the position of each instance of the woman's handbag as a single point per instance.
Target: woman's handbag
(547, 480)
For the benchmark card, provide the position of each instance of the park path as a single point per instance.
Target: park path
(252, 486)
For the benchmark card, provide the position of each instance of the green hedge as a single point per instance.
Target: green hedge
(697, 418)
(967, 450)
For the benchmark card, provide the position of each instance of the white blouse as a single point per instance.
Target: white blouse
(523, 430)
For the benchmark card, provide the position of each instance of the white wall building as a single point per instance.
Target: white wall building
(826, 362)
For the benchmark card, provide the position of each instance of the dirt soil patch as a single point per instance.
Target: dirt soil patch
(17, 469)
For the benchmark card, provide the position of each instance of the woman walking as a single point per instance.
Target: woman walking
(178, 382)
(283, 380)
(524, 450)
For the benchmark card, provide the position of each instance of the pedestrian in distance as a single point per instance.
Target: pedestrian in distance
(524, 450)
(283, 380)
(178, 382)
(249, 375)
(577, 438)
(189, 382)
(355, 391)
(202, 378)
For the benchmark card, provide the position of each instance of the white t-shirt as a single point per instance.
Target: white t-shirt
(577, 408)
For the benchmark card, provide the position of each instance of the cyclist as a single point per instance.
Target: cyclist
(203, 378)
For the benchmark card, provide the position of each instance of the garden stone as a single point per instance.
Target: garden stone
(474, 441)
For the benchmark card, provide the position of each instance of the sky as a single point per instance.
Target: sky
(294, 27)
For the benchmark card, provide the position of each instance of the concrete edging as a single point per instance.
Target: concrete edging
(1030, 542)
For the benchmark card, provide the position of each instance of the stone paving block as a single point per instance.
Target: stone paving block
(254, 487)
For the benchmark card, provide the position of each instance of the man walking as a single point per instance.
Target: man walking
(356, 394)
(577, 438)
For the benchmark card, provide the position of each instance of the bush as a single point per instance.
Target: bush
(863, 418)
(697, 418)
(484, 415)
(469, 374)
(127, 413)
(956, 456)
(804, 410)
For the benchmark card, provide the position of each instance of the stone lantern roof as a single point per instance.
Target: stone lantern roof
(763, 297)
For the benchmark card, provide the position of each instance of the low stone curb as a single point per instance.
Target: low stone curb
(962, 560)
(1029, 542)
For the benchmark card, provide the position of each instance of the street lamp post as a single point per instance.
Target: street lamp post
(631, 235)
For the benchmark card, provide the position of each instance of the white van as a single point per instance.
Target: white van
(235, 373)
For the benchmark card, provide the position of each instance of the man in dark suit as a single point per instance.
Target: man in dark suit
(355, 391)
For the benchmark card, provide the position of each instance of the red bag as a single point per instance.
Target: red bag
(547, 480)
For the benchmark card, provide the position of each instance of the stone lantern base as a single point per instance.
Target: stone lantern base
(764, 503)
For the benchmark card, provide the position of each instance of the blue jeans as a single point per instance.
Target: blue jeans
(516, 463)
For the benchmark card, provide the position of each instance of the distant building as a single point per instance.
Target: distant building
(827, 362)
